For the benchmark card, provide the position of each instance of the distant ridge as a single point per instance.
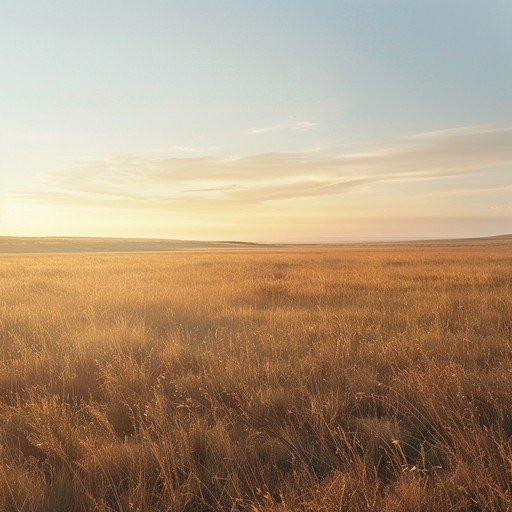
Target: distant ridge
(504, 241)
(85, 244)
(500, 237)
(21, 245)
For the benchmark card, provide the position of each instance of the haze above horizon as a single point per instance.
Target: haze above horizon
(256, 121)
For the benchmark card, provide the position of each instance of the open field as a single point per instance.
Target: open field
(309, 379)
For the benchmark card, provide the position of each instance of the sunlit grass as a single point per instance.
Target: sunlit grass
(312, 379)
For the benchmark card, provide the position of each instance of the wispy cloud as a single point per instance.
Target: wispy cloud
(184, 149)
(127, 181)
(502, 207)
(475, 191)
(303, 126)
(454, 132)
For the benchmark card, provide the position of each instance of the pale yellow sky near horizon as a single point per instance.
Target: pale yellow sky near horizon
(429, 184)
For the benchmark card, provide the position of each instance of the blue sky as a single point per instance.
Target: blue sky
(256, 120)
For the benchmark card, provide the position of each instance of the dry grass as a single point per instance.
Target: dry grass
(338, 379)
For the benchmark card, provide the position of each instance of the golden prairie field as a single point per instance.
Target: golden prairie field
(373, 378)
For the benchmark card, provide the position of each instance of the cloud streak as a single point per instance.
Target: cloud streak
(128, 181)
(302, 126)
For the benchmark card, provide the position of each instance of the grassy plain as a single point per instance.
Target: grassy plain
(313, 379)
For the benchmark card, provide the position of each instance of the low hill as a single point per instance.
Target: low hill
(484, 241)
(85, 244)
(68, 244)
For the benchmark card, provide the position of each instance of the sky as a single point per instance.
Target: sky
(256, 120)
